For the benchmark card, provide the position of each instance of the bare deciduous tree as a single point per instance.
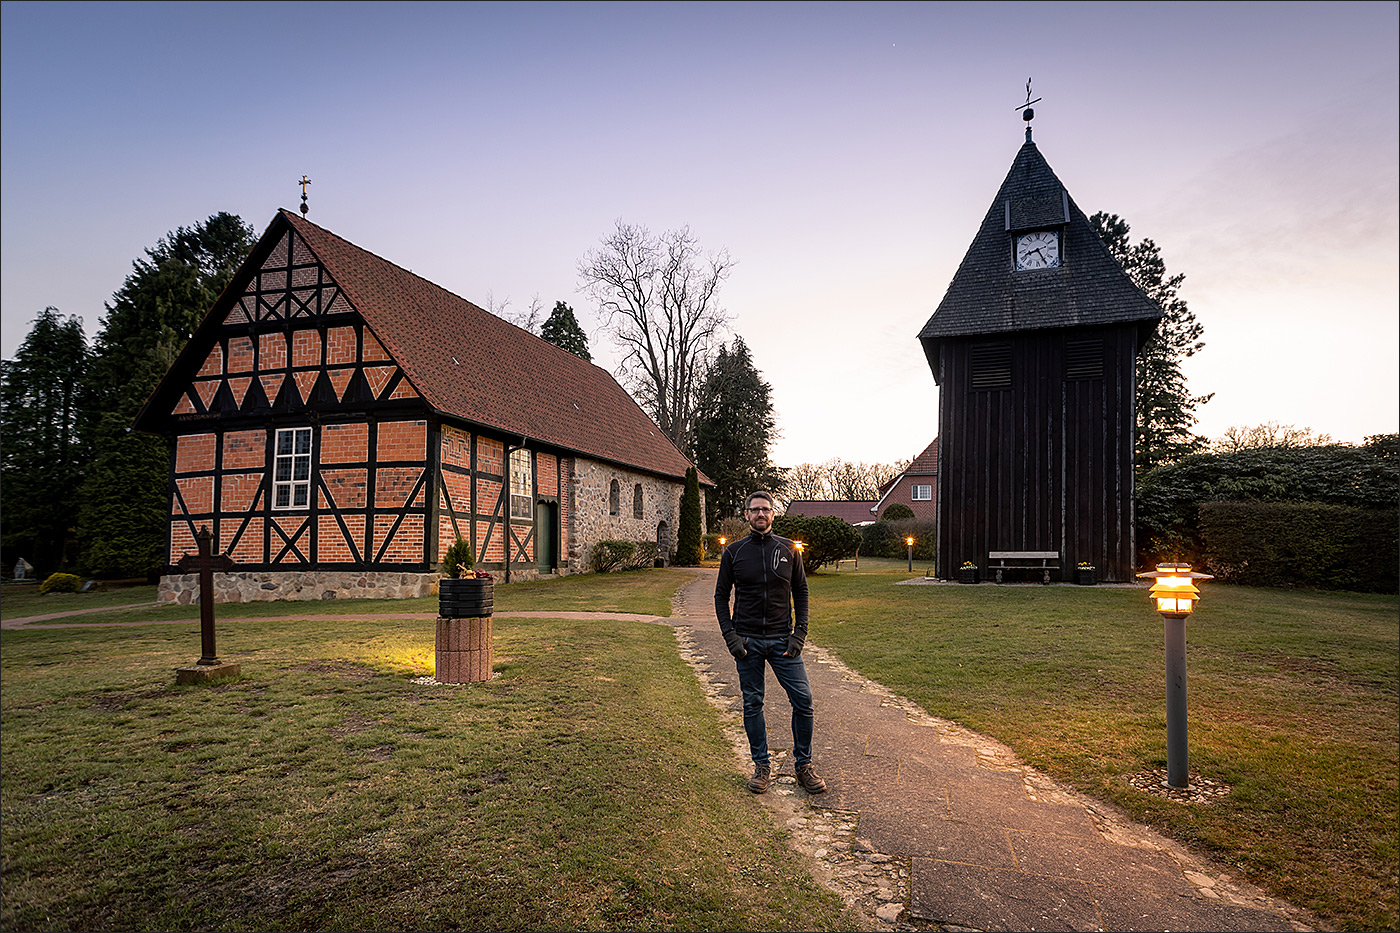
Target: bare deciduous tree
(656, 295)
(840, 479)
(1269, 434)
(531, 319)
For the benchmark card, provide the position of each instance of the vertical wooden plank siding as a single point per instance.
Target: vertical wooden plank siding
(1045, 464)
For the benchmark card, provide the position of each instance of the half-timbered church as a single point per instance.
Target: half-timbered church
(338, 422)
(1034, 348)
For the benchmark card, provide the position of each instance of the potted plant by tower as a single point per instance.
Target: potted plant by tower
(1084, 574)
(462, 591)
(969, 572)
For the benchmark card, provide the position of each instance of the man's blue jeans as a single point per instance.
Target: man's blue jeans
(792, 675)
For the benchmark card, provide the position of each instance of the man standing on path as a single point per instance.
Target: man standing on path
(770, 585)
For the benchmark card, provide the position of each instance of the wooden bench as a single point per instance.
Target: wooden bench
(847, 560)
(1044, 561)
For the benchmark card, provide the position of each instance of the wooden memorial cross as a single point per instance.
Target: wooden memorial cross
(205, 563)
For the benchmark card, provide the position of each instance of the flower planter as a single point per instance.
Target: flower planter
(465, 598)
(1085, 576)
(969, 575)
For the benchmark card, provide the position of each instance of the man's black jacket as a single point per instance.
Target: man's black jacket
(765, 572)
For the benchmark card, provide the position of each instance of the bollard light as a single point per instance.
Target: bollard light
(1173, 593)
(1174, 596)
(910, 542)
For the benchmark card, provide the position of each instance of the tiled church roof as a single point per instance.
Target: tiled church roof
(470, 364)
(987, 295)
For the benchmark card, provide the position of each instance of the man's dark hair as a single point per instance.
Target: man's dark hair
(759, 494)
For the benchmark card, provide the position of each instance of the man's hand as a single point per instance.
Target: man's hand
(735, 642)
(794, 645)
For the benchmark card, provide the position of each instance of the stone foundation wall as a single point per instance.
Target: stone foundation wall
(265, 586)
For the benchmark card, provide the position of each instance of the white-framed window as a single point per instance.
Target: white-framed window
(522, 485)
(922, 493)
(291, 477)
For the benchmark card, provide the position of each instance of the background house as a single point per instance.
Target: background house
(916, 487)
(338, 422)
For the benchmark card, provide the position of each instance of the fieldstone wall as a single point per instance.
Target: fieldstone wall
(265, 586)
(590, 484)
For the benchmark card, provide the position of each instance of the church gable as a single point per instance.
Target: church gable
(288, 340)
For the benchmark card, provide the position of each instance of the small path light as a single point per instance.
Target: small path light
(909, 541)
(1173, 595)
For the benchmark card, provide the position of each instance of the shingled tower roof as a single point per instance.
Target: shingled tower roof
(465, 362)
(988, 296)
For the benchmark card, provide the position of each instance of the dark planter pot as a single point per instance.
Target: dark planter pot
(969, 575)
(1085, 576)
(466, 598)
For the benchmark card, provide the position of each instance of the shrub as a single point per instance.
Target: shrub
(886, 539)
(712, 548)
(895, 512)
(1300, 544)
(1169, 497)
(644, 555)
(61, 583)
(825, 539)
(458, 559)
(609, 555)
(924, 532)
(877, 539)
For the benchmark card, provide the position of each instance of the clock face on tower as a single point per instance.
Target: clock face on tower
(1039, 250)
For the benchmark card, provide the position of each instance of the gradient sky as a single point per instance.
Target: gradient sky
(844, 155)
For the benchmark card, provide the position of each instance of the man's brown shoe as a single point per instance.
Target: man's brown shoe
(762, 774)
(809, 779)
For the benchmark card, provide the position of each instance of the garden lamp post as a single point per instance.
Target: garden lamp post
(1173, 595)
(909, 542)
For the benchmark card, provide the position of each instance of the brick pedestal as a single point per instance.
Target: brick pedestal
(463, 650)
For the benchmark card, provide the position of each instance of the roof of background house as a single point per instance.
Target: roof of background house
(987, 295)
(847, 510)
(925, 464)
(465, 361)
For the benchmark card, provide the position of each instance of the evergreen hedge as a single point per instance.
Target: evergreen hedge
(1313, 544)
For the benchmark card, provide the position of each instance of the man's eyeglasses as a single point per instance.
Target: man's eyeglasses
(766, 511)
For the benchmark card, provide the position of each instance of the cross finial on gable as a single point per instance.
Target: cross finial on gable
(304, 182)
(1028, 114)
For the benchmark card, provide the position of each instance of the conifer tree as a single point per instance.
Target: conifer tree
(124, 499)
(688, 536)
(43, 454)
(734, 427)
(1166, 410)
(562, 329)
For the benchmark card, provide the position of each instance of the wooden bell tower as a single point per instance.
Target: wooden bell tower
(1034, 348)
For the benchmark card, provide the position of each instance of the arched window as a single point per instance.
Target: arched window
(614, 499)
(637, 501)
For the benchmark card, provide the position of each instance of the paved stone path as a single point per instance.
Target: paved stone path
(928, 826)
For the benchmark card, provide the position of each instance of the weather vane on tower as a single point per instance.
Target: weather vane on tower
(1028, 114)
(304, 182)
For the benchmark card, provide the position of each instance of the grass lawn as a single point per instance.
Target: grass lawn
(1291, 700)
(586, 787)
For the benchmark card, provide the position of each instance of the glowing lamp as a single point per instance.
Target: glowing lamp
(909, 541)
(1173, 594)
